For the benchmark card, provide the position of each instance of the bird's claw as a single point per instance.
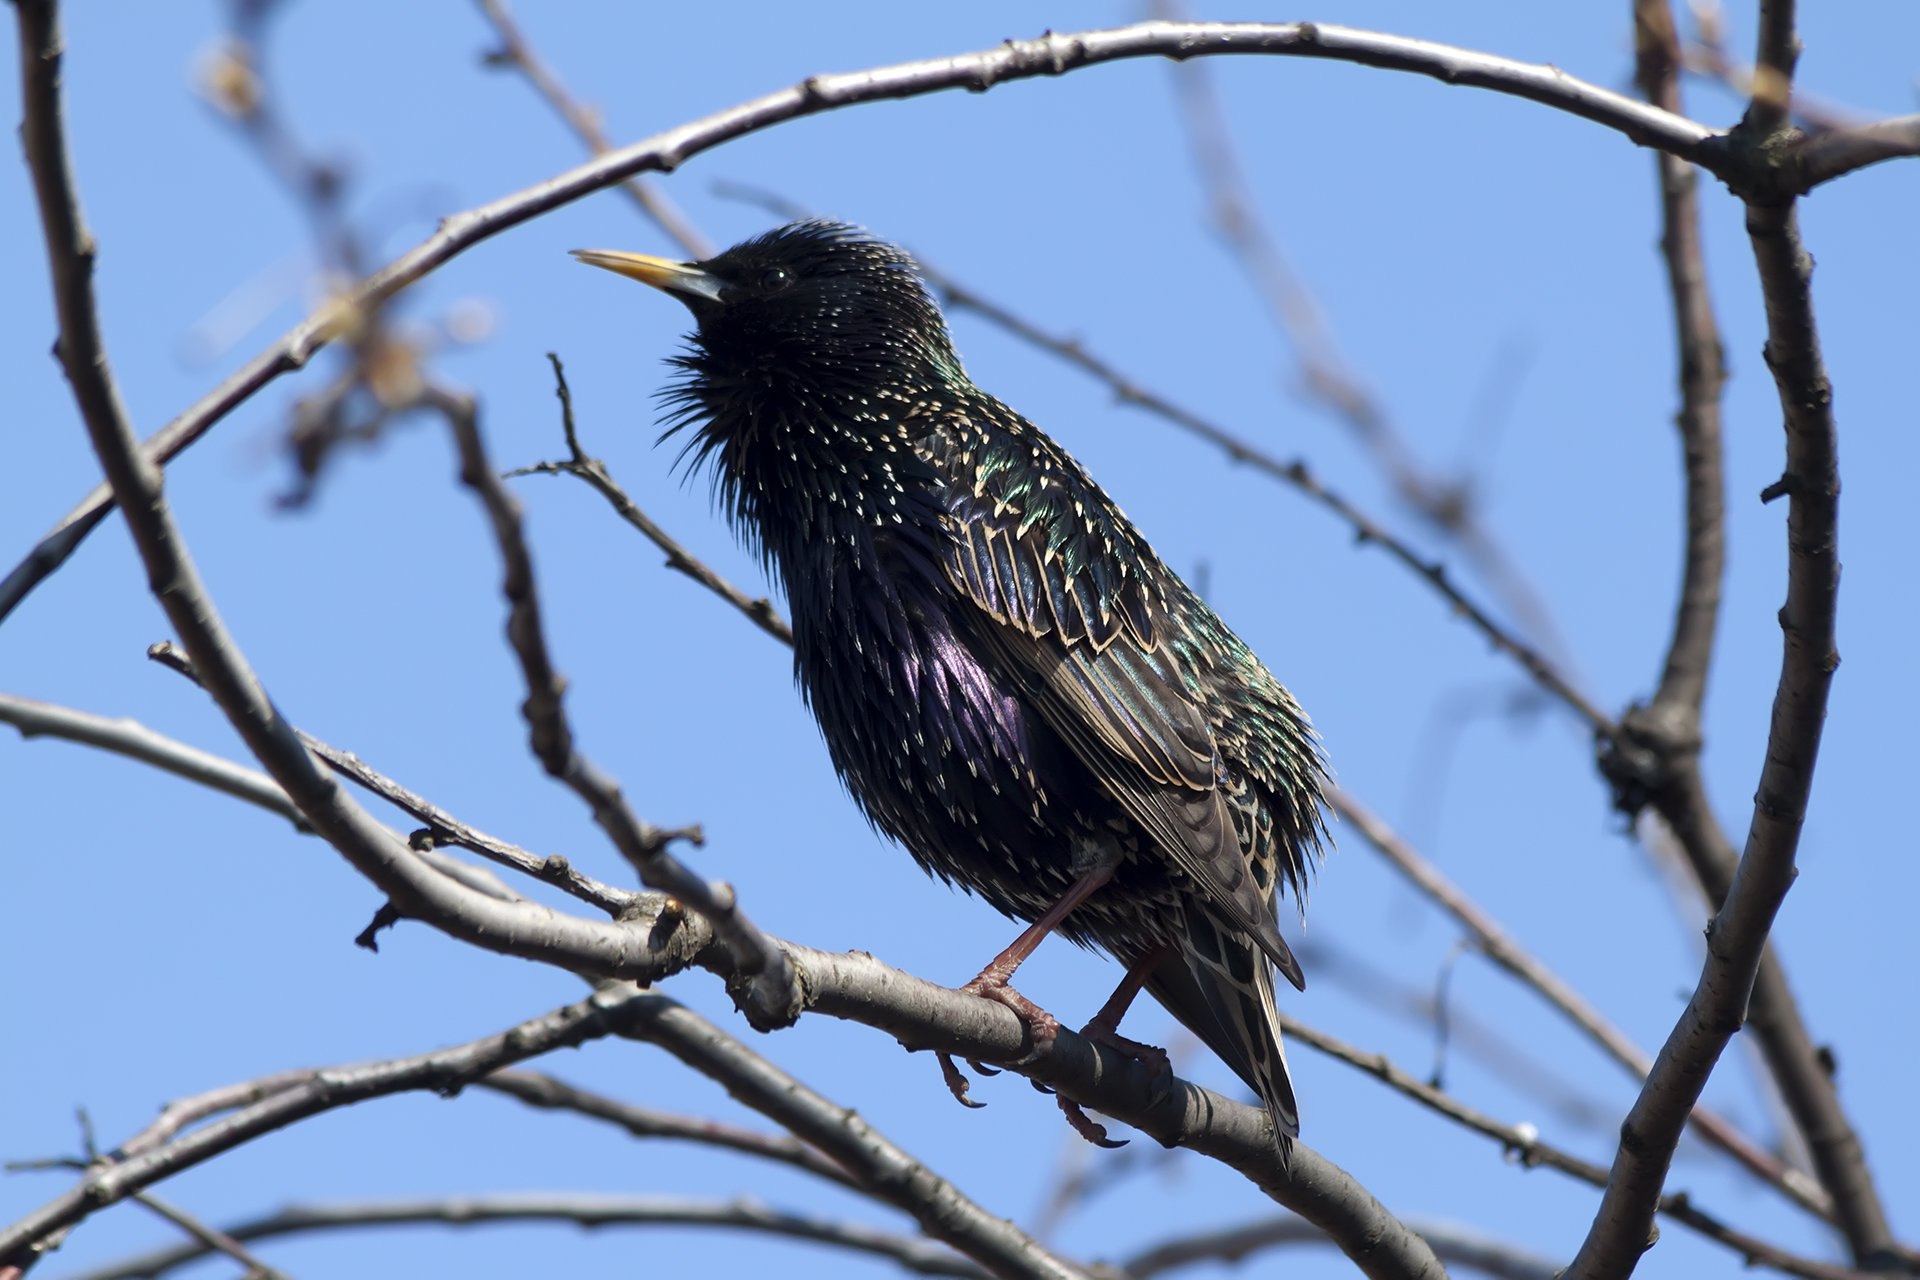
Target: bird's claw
(1087, 1127)
(957, 1081)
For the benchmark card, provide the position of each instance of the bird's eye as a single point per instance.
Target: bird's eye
(774, 279)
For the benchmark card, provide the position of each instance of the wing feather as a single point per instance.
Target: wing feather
(1044, 563)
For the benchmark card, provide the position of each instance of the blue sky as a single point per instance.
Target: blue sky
(161, 940)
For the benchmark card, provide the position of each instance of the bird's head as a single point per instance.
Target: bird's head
(819, 303)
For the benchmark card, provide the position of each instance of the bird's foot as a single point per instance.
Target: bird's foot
(1041, 1028)
(1154, 1058)
(1159, 1066)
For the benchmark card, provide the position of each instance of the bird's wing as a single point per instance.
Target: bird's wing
(1073, 606)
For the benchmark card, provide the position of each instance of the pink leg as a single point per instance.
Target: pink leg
(991, 983)
(1104, 1028)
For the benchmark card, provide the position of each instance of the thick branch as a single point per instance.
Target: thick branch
(1049, 55)
(1773, 62)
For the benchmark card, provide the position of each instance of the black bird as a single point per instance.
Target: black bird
(1010, 682)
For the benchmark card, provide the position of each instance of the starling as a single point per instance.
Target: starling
(1010, 682)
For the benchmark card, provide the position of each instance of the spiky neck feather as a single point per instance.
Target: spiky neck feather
(809, 387)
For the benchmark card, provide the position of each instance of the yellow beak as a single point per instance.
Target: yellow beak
(681, 278)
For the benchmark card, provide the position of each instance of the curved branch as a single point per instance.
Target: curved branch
(265, 1106)
(1050, 55)
(617, 1009)
(1499, 946)
(1455, 1244)
(1702, 369)
(577, 1208)
(1737, 934)
(549, 1093)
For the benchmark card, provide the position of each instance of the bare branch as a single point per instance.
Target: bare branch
(442, 827)
(758, 609)
(1773, 64)
(130, 738)
(579, 1208)
(515, 51)
(1737, 934)
(550, 1093)
(135, 741)
(1446, 502)
(1500, 947)
(1822, 157)
(416, 888)
(294, 1096)
(767, 987)
(210, 1239)
(1051, 55)
(873, 1161)
(1522, 1143)
(1452, 1243)
(1702, 370)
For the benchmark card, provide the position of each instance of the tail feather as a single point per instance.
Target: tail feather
(1220, 987)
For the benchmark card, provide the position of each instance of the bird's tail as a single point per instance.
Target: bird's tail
(1220, 987)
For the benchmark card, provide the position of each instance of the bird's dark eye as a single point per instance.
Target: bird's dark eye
(774, 279)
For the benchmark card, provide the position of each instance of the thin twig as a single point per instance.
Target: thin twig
(126, 737)
(1051, 55)
(210, 1239)
(135, 741)
(765, 982)
(1294, 473)
(415, 887)
(758, 609)
(1446, 502)
(537, 1089)
(442, 827)
(296, 1096)
(517, 52)
(1500, 947)
(872, 1160)
(577, 1208)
